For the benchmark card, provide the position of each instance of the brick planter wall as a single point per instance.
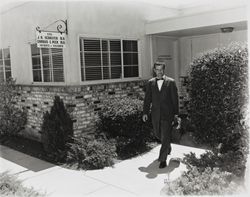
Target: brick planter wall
(82, 102)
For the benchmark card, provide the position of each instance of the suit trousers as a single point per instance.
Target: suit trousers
(164, 134)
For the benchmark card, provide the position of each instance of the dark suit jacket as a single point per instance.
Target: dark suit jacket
(165, 103)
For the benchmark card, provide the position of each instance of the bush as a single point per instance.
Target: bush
(218, 96)
(181, 127)
(218, 103)
(12, 118)
(57, 131)
(207, 182)
(91, 152)
(11, 186)
(122, 119)
(130, 147)
(233, 162)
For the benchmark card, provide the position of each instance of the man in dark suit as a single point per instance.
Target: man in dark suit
(161, 92)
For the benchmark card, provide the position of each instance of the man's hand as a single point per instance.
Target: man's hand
(177, 122)
(145, 117)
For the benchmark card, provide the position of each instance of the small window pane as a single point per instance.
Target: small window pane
(56, 50)
(58, 75)
(46, 62)
(82, 73)
(130, 45)
(45, 51)
(94, 73)
(81, 47)
(34, 50)
(1, 55)
(7, 62)
(8, 75)
(6, 53)
(130, 58)
(1, 75)
(92, 45)
(115, 58)
(105, 59)
(106, 72)
(131, 71)
(47, 75)
(1, 63)
(92, 59)
(115, 45)
(57, 61)
(7, 68)
(36, 63)
(104, 45)
(81, 59)
(116, 72)
(37, 75)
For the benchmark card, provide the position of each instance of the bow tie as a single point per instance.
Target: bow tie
(159, 79)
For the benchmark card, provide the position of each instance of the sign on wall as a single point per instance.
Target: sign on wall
(164, 58)
(50, 39)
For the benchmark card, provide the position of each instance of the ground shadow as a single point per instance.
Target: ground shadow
(187, 139)
(153, 169)
(24, 160)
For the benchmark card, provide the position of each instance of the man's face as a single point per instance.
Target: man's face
(159, 71)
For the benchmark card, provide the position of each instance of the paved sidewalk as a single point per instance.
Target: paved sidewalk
(139, 176)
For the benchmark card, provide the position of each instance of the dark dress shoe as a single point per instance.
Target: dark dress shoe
(163, 164)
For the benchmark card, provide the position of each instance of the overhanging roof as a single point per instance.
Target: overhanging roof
(152, 10)
(208, 22)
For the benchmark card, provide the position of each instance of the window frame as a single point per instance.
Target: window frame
(104, 81)
(42, 66)
(4, 65)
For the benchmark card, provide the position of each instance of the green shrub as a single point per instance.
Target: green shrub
(181, 127)
(218, 108)
(91, 152)
(122, 119)
(207, 182)
(233, 162)
(12, 118)
(57, 131)
(11, 186)
(218, 97)
(130, 147)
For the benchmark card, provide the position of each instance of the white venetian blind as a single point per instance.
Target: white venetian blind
(5, 64)
(130, 58)
(47, 64)
(108, 59)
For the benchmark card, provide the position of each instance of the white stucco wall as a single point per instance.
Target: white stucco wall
(106, 20)
(192, 46)
(90, 19)
(18, 32)
(164, 50)
(103, 20)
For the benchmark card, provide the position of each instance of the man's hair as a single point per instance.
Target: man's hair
(158, 63)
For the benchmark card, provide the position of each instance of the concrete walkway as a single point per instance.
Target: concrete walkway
(139, 176)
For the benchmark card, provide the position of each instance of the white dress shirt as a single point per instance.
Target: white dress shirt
(159, 83)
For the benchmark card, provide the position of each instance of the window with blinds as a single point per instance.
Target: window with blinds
(47, 64)
(5, 65)
(108, 59)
